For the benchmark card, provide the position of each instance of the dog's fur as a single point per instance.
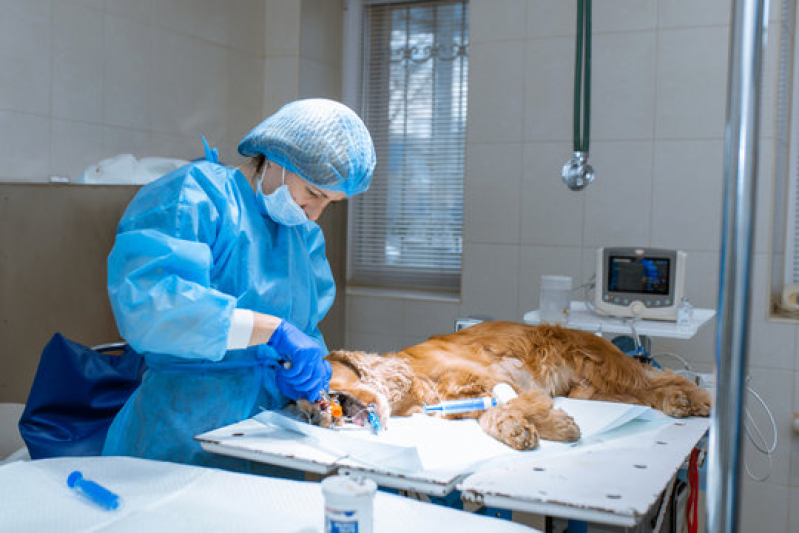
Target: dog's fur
(539, 362)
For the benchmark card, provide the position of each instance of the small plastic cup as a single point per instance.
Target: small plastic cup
(555, 298)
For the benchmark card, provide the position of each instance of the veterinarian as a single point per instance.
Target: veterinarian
(218, 275)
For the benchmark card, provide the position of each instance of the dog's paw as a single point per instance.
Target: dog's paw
(677, 404)
(510, 428)
(558, 426)
(701, 401)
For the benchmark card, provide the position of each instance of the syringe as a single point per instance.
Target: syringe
(502, 393)
(451, 407)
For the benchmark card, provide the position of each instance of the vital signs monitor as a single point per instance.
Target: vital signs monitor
(644, 283)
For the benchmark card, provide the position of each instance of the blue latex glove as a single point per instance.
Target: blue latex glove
(309, 372)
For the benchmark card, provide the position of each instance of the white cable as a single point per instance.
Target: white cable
(674, 355)
(771, 419)
(766, 450)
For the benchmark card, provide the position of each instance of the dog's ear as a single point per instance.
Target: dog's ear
(353, 360)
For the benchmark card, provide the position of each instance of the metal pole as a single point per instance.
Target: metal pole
(747, 36)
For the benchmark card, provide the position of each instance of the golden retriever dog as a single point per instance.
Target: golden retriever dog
(538, 362)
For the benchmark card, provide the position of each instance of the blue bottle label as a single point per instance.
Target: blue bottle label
(337, 521)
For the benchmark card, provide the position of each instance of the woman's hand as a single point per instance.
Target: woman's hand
(309, 372)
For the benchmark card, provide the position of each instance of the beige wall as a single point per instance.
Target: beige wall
(54, 241)
(658, 116)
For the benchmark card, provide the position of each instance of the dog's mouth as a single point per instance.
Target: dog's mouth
(345, 407)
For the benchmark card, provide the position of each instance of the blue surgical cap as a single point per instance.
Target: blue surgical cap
(322, 141)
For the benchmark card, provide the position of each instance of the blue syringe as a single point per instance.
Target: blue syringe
(93, 491)
(451, 407)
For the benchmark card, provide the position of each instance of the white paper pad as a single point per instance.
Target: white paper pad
(436, 445)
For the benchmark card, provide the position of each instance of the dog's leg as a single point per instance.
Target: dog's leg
(660, 389)
(677, 396)
(509, 426)
(520, 422)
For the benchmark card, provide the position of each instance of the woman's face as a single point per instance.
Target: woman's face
(309, 197)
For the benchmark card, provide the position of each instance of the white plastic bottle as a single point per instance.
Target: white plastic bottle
(348, 504)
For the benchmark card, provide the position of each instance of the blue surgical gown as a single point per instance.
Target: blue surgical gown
(191, 247)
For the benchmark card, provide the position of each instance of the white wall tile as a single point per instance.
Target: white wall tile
(546, 18)
(793, 510)
(492, 193)
(138, 10)
(776, 388)
(24, 147)
(94, 4)
(623, 15)
(702, 278)
(423, 319)
(179, 146)
(765, 195)
(374, 341)
(203, 19)
(551, 214)
(378, 314)
(127, 141)
(281, 82)
(245, 19)
(691, 83)
(686, 200)
(772, 344)
(687, 13)
(497, 20)
(282, 26)
(490, 281)
(75, 145)
(617, 204)
(127, 95)
(770, 64)
(319, 80)
(495, 78)
(537, 261)
(188, 85)
(77, 68)
(763, 507)
(25, 36)
(320, 31)
(245, 97)
(548, 90)
(623, 86)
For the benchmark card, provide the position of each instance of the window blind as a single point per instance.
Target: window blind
(407, 230)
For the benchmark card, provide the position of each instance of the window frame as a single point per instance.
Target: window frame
(353, 82)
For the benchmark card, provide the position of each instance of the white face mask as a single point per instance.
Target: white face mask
(280, 205)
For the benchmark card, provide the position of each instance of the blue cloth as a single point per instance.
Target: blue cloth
(75, 396)
(191, 247)
(322, 141)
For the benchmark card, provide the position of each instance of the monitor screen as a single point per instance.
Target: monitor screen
(639, 275)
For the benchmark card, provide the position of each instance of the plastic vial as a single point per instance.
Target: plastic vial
(685, 314)
(348, 504)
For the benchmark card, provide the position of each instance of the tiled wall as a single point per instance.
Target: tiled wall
(88, 79)
(658, 115)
